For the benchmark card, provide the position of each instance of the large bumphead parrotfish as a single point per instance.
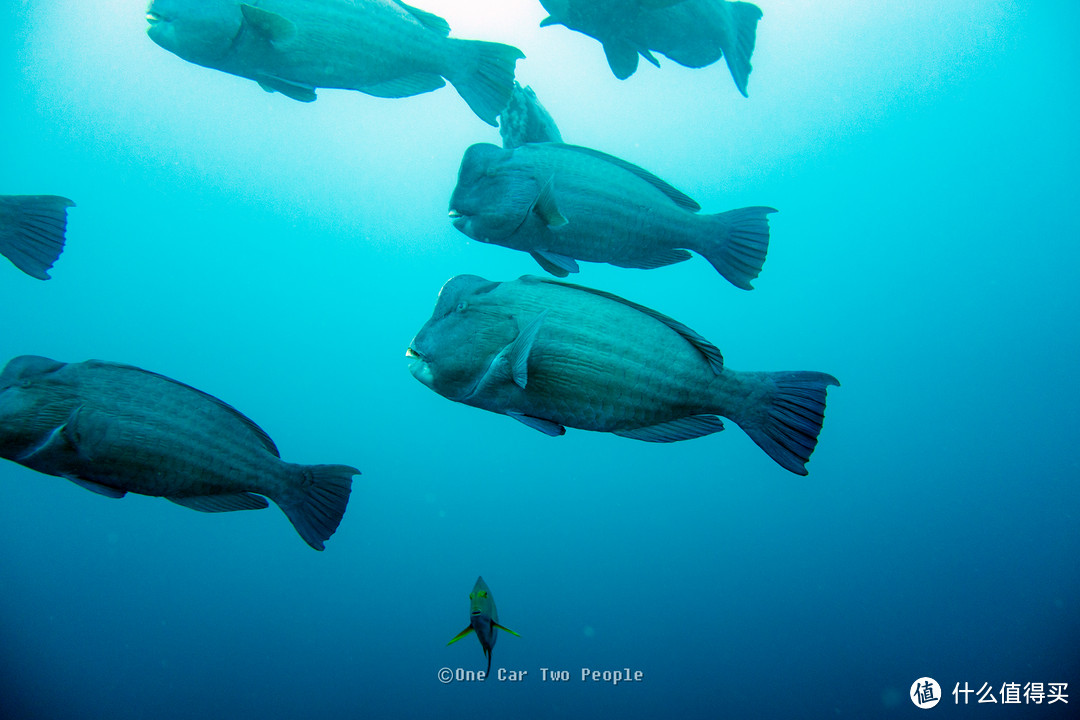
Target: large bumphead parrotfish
(383, 48)
(115, 429)
(483, 620)
(554, 355)
(564, 203)
(693, 33)
(32, 231)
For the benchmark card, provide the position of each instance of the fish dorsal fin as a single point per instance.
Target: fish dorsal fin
(547, 427)
(221, 503)
(506, 629)
(460, 635)
(676, 196)
(686, 428)
(545, 207)
(296, 91)
(556, 264)
(259, 433)
(706, 348)
(270, 25)
(428, 20)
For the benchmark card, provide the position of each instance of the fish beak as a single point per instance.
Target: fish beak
(153, 18)
(419, 367)
(454, 214)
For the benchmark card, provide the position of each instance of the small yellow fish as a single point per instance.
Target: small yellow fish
(484, 619)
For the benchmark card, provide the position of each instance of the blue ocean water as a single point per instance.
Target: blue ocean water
(280, 256)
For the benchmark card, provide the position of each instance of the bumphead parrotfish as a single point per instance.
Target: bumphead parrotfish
(383, 48)
(551, 354)
(115, 429)
(563, 203)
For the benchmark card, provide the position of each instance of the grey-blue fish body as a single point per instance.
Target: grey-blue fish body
(32, 231)
(554, 355)
(379, 47)
(693, 33)
(562, 203)
(115, 429)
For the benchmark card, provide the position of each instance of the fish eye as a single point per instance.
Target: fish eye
(461, 306)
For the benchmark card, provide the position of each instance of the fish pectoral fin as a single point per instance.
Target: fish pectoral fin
(505, 629)
(98, 488)
(557, 265)
(429, 20)
(547, 427)
(544, 205)
(622, 58)
(296, 91)
(517, 352)
(222, 503)
(686, 428)
(407, 86)
(460, 635)
(269, 25)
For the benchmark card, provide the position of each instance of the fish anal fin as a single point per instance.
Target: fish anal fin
(406, 86)
(269, 25)
(686, 428)
(460, 635)
(222, 503)
(547, 427)
(658, 259)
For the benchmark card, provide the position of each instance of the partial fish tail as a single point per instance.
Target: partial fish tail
(32, 231)
(736, 242)
(317, 500)
(483, 74)
(745, 18)
(786, 415)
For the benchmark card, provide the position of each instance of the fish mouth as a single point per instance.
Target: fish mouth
(459, 220)
(419, 367)
(153, 18)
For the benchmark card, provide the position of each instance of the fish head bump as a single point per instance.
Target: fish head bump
(199, 31)
(493, 194)
(24, 392)
(466, 331)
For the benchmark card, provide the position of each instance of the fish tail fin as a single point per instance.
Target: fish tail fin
(483, 75)
(736, 242)
(317, 501)
(786, 422)
(34, 236)
(745, 18)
